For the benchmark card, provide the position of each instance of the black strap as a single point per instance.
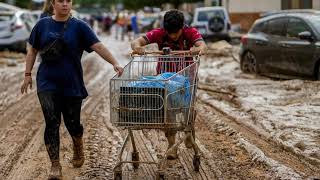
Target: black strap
(65, 25)
(73, 55)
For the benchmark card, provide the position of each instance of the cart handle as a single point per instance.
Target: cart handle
(171, 53)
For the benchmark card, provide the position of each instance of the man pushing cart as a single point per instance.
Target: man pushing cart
(157, 90)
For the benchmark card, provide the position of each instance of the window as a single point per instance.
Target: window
(296, 26)
(306, 4)
(286, 4)
(261, 27)
(5, 17)
(296, 4)
(276, 26)
(206, 15)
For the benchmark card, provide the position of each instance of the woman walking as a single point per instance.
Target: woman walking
(61, 39)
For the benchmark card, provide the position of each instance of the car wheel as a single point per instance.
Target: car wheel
(23, 47)
(249, 63)
(216, 24)
(20, 47)
(228, 39)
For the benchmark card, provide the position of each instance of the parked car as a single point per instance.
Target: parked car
(15, 29)
(283, 45)
(213, 23)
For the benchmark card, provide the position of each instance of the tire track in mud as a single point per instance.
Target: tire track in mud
(155, 143)
(270, 148)
(10, 89)
(15, 111)
(16, 138)
(220, 158)
(224, 158)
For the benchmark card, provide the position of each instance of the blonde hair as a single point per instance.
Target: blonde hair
(47, 7)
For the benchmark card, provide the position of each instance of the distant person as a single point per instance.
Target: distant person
(176, 35)
(135, 25)
(158, 22)
(121, 26)
(128, 27)
(107, 23)
(61, 39)
(91, 21)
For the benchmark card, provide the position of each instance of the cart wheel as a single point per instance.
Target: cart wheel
(135, 157)
(118, 175)
(196, 163)
(160, 177)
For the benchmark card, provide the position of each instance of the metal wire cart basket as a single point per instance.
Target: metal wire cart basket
(155, 92)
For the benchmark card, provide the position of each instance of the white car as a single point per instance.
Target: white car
(15, 29)
(213, 23)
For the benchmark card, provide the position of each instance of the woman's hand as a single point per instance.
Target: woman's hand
(117, 68)
(26, 83)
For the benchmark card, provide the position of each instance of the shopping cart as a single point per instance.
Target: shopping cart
(155, 91)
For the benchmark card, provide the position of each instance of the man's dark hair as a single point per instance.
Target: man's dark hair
(173, 21)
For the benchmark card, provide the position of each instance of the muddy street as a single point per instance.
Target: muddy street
(248, 127)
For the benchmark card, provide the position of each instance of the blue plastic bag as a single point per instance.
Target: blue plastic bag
(178, 87)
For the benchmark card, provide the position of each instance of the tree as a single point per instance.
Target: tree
(19, 3)
(23, 3)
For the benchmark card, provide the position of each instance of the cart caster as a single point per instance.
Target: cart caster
(117, 175)
(135, 157)
(196, 163)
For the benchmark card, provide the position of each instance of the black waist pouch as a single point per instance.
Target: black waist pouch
(54, 51)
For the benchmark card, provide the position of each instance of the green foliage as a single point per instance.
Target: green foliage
(91, 3)
(137, 4)
(23, 3)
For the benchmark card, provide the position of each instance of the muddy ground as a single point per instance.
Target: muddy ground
(248, 127)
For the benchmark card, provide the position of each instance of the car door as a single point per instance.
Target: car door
(275, 52)
(298, 52)
(258, 44)
(5, 25)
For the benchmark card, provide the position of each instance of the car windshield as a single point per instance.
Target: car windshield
(315, 20)
(206, 15)
(5, 17)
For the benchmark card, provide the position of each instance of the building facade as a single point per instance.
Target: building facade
(245, 12)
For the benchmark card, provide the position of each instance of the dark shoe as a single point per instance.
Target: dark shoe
(172, 154)
(55, 171)
(78, 155)
(188, 142)
(171, 141)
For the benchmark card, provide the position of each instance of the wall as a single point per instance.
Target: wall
(251, 6)
(244, 19)
(316, 4)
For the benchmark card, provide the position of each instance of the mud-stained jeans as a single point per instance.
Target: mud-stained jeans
(53, 105)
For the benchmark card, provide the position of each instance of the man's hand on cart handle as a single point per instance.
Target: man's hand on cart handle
(117, 68)
(139, 50)
(195, 51)
(189, 52)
